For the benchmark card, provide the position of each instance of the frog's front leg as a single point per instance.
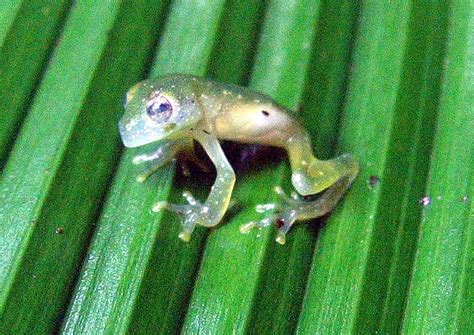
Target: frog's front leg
(211, 212)
(163, 155)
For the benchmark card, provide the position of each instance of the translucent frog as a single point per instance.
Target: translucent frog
(176, 110)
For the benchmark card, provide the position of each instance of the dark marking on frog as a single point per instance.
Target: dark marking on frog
(280, 222)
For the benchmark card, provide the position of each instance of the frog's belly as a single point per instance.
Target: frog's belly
(258, 124)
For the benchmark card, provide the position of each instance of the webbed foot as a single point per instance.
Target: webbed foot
(290, 209)
(162, 156)
(285, 213)
(192, 214)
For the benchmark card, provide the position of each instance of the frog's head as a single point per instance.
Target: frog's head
(158, 109)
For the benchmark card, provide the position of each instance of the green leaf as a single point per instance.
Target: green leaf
(62, 159)
(176, 274)
(229, 278)
(327, 76)
(27, 32)
(285, 269)
(390, 82)
(441, 298)
(362, 261)
(233, 55)
(119, 256)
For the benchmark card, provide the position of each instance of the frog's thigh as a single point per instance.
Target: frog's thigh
(219, 197)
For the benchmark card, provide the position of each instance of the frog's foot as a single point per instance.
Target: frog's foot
(290, 209)
(192, 214)
(285, 213)
(162, 156)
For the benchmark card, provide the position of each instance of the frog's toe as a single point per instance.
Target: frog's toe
(185, 236)
(285, 202)
(139, 159)
(246, 228)
(191, 214)
(265, 207)
(159, 206)
(281, 238)
(284, 222)
(285, 213)
(141, 178)
(190, 198)
(178, 209)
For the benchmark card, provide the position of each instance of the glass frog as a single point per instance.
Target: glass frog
(176, 110)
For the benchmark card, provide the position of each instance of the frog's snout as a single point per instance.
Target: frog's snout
(133, 133)
(136, 132)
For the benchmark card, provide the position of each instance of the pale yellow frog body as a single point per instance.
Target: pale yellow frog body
(178, 109)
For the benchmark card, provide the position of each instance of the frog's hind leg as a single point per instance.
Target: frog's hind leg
(305, 210)
(290, 209)
(310, 175)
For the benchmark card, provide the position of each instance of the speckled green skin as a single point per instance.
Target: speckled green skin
(177, 109)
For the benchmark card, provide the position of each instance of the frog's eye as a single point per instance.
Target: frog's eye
(159, 109)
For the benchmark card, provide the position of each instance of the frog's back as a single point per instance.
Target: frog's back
(211, 87)
(225, 91)
(243, 115)
(237, 113)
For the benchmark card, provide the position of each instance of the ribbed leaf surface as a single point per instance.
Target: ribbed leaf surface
(388, 81)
